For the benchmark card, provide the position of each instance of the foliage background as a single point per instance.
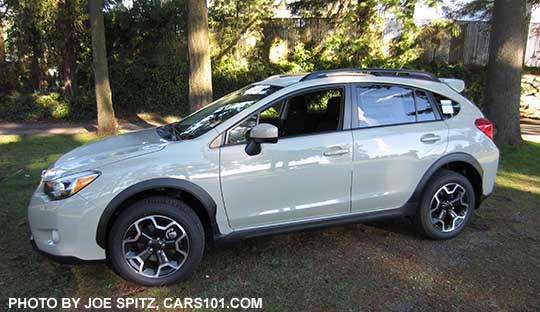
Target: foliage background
(147, 51)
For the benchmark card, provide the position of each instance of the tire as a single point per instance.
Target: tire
(455, 193)
(133, 239)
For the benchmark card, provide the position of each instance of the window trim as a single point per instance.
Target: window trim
(354, 105)
(344, 111)
(432, 102)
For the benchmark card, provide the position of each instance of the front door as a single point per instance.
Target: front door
(305, 175)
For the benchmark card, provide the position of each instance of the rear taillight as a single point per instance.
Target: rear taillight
(486, 126)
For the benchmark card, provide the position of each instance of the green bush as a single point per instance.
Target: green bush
(33, 107)
(473, 75)
(146, 85)
(160, 86)
(230, 75)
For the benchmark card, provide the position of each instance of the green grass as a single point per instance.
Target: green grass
(493, 265)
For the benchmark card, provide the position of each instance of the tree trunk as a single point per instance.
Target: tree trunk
(65, 26)
(268, 35)
(35, 69)
(36, 42)
(68, 71)
(106, 121)
(2, 45)
(2, 56)
(503, 86)
(200, 71)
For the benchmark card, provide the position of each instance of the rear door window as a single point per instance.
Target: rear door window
(381, 105)
(385, 105)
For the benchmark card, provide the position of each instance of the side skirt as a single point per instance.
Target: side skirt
(408, 209)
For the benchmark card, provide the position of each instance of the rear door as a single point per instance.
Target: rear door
(397, 134)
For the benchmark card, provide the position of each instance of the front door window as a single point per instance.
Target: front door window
(302, 114)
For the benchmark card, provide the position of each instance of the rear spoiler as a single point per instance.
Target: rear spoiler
(456, 84)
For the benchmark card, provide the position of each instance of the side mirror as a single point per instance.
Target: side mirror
(262, 133)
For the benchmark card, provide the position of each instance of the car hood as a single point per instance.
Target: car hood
(112, 149)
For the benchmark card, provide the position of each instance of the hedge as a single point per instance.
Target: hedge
(161, 86)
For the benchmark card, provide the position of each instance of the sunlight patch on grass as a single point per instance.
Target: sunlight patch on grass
(531, 138)
(29, 154)
(85, 137)
(519, 168)
(10, 138)
(519, 182)
(517, 185)
(522, 159)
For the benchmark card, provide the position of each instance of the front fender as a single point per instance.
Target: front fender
(159, 183)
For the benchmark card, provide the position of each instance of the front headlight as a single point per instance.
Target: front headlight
(64, 187)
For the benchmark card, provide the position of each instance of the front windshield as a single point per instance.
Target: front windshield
(214, 114)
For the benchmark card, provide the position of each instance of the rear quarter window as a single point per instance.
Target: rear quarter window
(448, 107)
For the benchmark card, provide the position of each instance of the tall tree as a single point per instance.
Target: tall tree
(2, 51)
(506, 53)
(106, 120)
(29, 37)
(3, 13)
(200, 72)
(65, 25)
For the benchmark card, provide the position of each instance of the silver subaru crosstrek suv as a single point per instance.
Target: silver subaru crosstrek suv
(287, 153)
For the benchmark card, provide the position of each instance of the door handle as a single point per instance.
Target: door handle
(336, 151)
(430, 138)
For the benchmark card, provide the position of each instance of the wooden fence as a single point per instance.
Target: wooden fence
(470, 46)
(532, 54)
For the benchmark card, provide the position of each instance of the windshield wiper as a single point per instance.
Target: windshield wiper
(175, 133)
(168, 132)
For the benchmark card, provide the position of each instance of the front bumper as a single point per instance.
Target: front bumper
(64, 228)
(61, 259)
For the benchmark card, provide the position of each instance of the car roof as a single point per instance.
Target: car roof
(405, 76)
(283, 80)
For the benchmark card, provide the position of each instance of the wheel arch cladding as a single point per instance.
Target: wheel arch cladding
(194, 196)
(461, 163)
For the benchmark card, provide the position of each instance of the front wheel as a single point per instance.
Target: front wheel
(156, 241)
(446, 206)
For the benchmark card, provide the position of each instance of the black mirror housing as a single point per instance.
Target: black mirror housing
(253, 148)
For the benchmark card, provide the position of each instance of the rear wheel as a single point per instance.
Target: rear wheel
(156, 241)
(446, 206)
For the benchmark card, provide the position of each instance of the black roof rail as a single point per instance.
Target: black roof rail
(406, 73)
